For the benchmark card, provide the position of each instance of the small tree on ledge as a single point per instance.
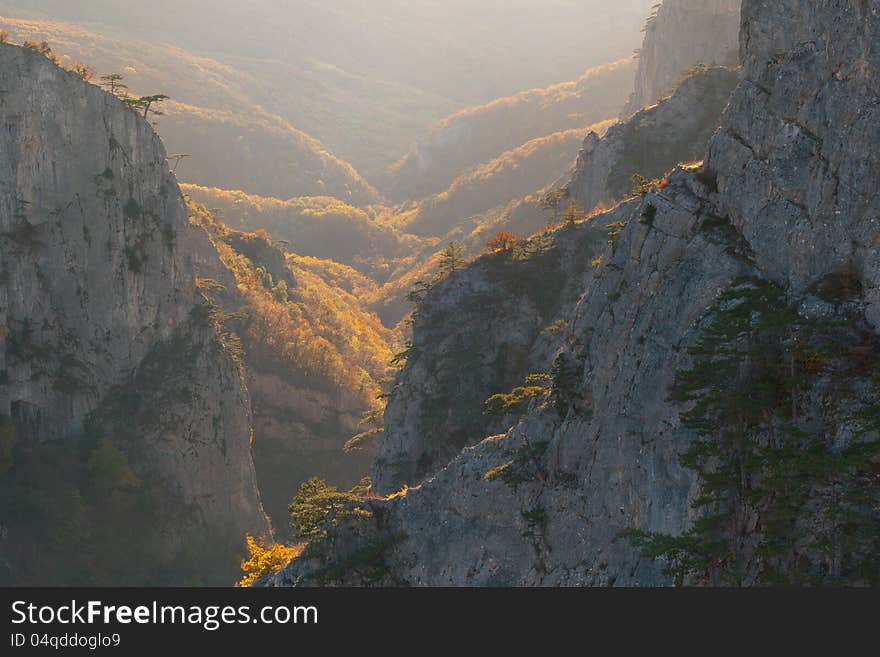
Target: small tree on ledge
(146, 103)
(503, 241)
(113, 82)
(572, 215)
(84, 71)
(451, 259)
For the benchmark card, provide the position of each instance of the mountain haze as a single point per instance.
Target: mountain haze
(440, 293)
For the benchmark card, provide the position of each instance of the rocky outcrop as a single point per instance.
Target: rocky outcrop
(609, 464)
(301, 417)
(797, 156)
(299, 432)
(98, 301)
(783, 213)
(653, 141)
(473, 339)
(681, 34)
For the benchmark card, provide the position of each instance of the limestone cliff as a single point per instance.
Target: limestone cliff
(473, 338)
(302, 417)
(106, 339)
(652, 141)
(710, 416)
(679, 35)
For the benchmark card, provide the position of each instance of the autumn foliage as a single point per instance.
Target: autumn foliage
(265, 559)
(302, 319)
(503, 241)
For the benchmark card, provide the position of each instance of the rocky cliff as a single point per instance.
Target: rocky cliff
(652, 141)
(108, 344)
(304, 407)
(680, 34)
(474, 337)
(708, 413)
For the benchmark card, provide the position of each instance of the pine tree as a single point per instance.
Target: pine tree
(113, 82)
(452, 259)
(148, 103)
(176, 158)
(572, 215)
(318, 507)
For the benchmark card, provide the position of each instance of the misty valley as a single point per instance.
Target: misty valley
(447, 294)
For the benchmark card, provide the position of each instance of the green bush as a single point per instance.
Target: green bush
(318, 507)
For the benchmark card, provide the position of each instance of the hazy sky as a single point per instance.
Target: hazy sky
(502, 45)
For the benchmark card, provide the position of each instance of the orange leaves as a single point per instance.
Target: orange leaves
(503, 241)
(317, 334)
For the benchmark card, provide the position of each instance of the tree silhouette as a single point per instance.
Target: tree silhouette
(643, 185)
(113, 82)
(572, 215)
(176, 158)
(147, 102)
(552, 201)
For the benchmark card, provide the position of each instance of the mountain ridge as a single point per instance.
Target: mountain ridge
(672, 412)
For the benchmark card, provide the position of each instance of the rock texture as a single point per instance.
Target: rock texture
(681, 34)
(787, 195)
(652, 141)
(301, 419)
(299, 433)
(474, 338)
(797, 157)
(98, 301)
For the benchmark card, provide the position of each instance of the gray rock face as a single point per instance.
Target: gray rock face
(788, 193)
(684, 33)
(184, 421)
(652, 141)
(98, 267)
(612, 463)
(474, 338)
(455, 363)
(797, 159)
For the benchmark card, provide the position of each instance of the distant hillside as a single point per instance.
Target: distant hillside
(260, 153)
(220, 114)
(459, 49)
(510, 176)
(314, 358)
(366, 79)
(321, 226)
(367, 121)
(477, 135)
